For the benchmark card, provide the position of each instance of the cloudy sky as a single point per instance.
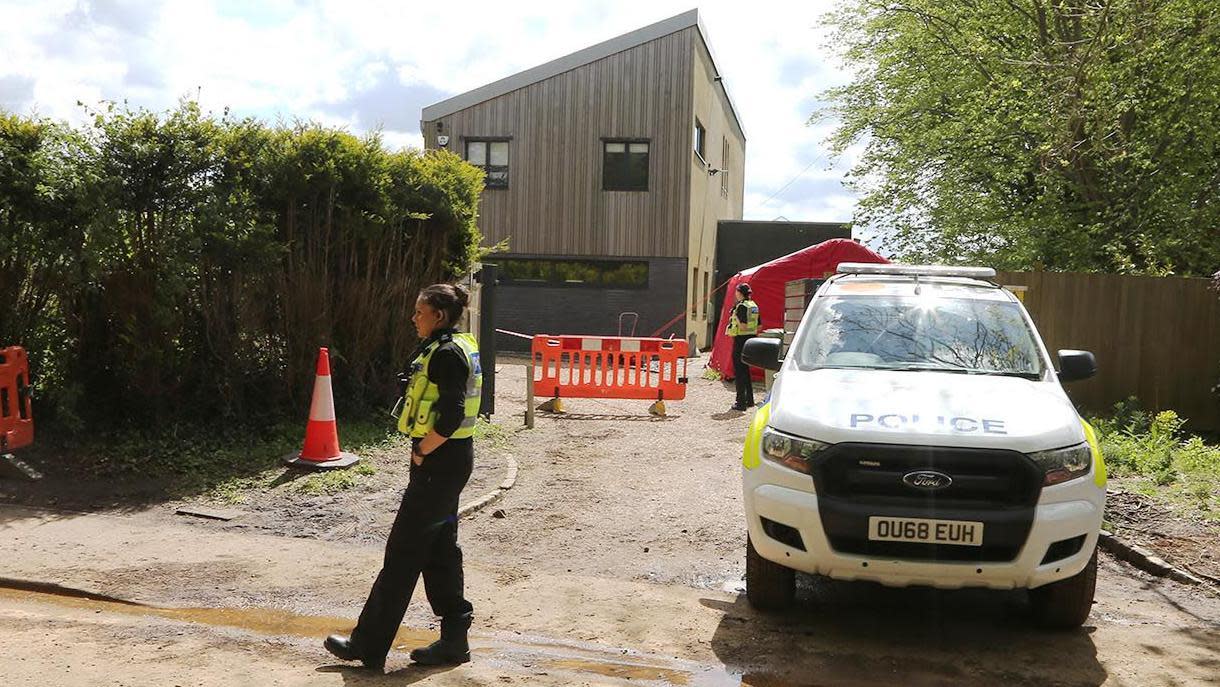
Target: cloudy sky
(369, 64)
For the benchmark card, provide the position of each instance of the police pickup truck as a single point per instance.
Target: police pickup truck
(917, 434)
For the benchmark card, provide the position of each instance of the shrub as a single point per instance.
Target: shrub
(181, 266)
(1154, 450)
(1148, 452)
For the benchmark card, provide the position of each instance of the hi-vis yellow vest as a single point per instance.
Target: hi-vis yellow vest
(418, 416)
(750, 328)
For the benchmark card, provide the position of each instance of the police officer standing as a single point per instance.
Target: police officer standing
(743, 324)
(439, 414)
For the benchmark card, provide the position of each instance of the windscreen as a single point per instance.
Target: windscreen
(916, 333)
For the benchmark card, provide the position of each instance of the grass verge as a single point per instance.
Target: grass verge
(227, 466)
(1154, 455)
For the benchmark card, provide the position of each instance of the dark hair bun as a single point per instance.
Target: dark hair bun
(450, 299)
(744, 288)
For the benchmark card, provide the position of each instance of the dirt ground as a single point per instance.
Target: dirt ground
(360, 514)
(1189, 544)
(617, 560)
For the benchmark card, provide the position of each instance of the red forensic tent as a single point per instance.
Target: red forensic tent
(767, 281)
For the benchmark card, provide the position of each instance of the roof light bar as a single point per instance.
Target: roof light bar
(916, 270)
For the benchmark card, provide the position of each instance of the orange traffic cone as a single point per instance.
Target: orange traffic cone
(322, 433)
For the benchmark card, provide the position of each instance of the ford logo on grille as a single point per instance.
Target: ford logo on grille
(927, 479)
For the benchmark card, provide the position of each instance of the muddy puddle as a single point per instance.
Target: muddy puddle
(581, 660)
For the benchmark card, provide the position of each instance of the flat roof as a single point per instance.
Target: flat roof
(581, 58)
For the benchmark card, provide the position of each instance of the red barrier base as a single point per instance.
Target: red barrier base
(344, 460)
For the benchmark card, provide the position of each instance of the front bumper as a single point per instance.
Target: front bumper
(787, 497)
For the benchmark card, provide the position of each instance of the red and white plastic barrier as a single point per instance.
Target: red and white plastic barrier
(610, 367)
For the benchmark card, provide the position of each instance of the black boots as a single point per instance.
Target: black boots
(342, 648)
(443, 652)
(452, 648)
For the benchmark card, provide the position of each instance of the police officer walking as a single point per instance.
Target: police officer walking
(440, 409)
(743, 324)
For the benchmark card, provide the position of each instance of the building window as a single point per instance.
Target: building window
(606, 274)
(700, 140)
(724, 168)
(491, 155)
(625, 166)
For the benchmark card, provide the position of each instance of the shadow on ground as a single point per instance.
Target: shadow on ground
(853, 633)
(129, 475)
(66, 487)
(354, 675)
(585, 417)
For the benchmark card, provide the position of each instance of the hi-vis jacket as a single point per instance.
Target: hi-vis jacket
(418, 417)
(750, 327)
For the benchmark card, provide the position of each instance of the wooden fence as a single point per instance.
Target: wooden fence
(1155, 338)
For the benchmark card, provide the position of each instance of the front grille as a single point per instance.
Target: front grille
(981, 478)
(927, 552)
(995, 487)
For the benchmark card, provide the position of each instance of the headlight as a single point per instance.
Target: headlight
(1064, 464)
(789, 451)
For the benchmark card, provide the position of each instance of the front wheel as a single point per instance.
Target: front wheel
(1065, 605)
(769, 586)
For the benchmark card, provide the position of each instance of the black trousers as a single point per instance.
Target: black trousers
(423, 541)
(741, 374)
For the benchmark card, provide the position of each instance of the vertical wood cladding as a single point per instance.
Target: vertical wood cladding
(555, 204)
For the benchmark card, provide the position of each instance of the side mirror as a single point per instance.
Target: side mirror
(762, 352)
(1076, 365)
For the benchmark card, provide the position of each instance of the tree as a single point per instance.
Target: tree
(177, 266)
(45, 206)
(1076, 135)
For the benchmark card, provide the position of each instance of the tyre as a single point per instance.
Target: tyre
(769, 586)
(1065, 605)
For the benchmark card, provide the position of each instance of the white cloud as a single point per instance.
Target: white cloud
(356, 63)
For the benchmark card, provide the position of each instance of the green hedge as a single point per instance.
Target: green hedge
(185, 267)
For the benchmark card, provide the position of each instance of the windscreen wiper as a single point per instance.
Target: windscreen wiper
(924, 368)
(1032, 376)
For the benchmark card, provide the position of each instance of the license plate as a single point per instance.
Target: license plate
(959, 532)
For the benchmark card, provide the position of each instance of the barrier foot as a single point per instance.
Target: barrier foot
(343, 460)
(12, 468)
(555, 405)
(657, 409)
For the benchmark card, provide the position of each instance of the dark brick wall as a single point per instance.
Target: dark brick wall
(585, 310)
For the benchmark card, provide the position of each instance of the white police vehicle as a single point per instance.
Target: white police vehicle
(917, 434)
